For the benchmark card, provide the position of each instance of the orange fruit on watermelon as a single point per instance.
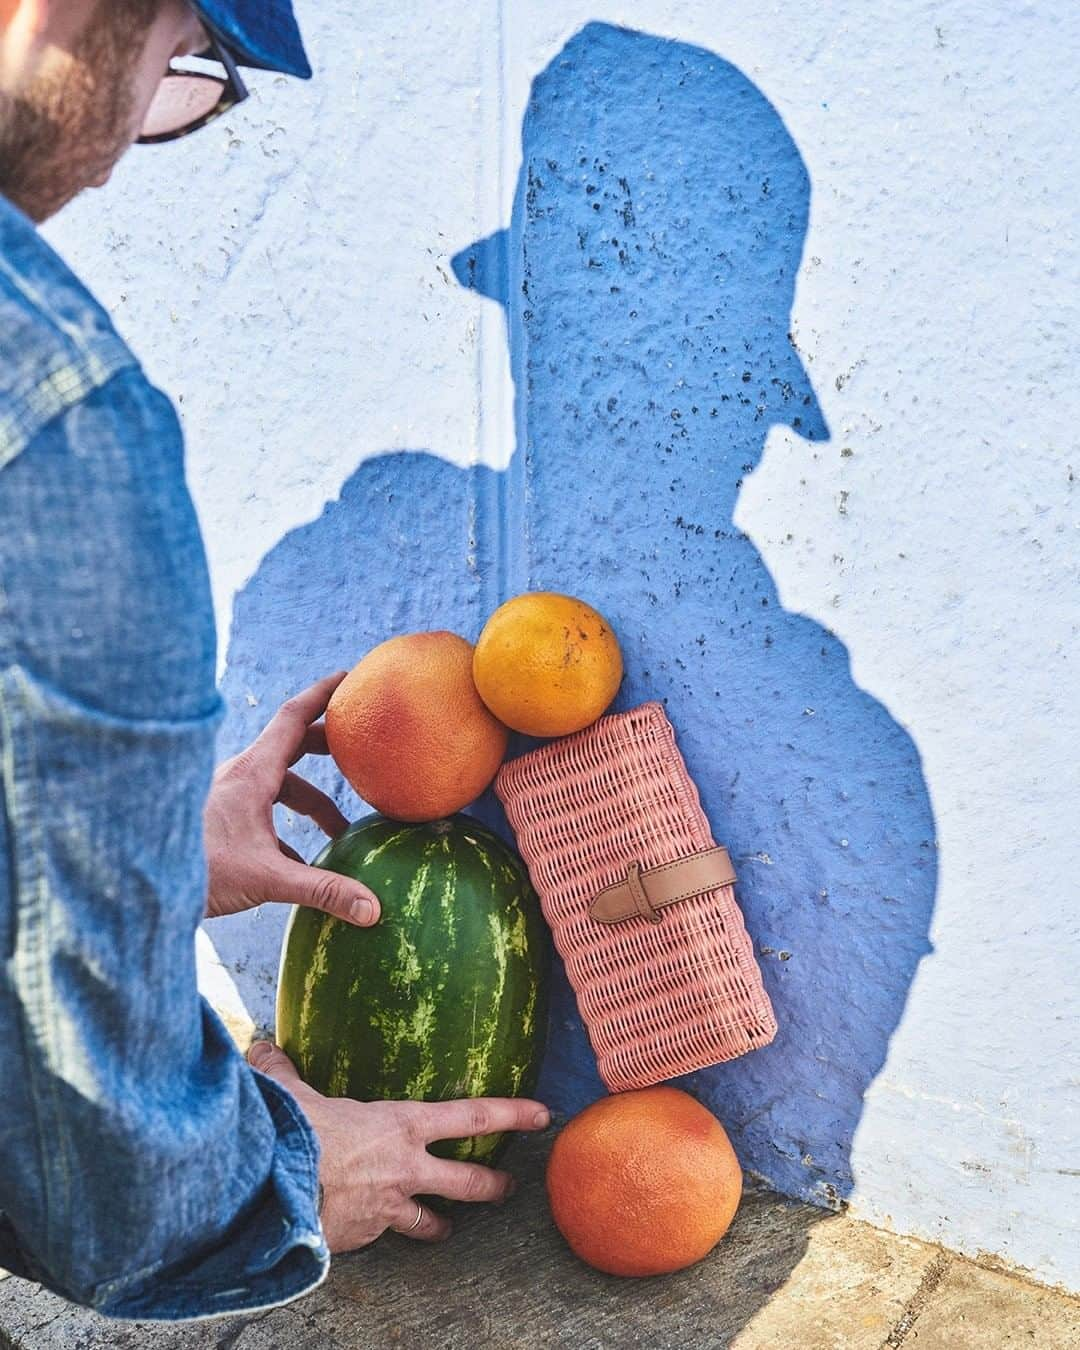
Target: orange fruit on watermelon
(643, 1183)
(409, 731)
(547, 664)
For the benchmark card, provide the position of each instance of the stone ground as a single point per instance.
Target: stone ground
(786, 1277)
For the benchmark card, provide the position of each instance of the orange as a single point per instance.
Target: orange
(547, 664)
(643, 1183)
(408, 730)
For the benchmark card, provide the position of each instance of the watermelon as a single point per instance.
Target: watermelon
(445, 997)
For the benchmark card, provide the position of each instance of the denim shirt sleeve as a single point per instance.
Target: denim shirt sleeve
(148, 1172)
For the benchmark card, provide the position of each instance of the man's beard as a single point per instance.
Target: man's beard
(68, 127)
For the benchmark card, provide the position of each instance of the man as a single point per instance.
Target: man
(148, 1171)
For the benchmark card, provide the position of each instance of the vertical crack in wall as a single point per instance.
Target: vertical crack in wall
(500, 497)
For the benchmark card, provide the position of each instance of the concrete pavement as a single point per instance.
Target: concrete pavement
(786, 1277)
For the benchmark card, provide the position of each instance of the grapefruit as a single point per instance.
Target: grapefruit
(409, 731)
(643, 1183)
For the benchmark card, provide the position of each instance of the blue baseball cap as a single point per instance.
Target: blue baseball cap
(260, 33)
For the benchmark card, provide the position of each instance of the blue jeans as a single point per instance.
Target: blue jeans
(147, 1171)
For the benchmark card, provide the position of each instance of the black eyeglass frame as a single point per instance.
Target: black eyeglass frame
(233, 92)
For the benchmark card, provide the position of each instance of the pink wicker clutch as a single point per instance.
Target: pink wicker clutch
(639, 898)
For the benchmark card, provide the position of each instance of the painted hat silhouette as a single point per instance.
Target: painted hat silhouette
(660, 198)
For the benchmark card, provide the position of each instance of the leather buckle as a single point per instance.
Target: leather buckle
(645, 891)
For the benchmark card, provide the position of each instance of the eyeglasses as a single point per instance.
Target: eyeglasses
(187, 100)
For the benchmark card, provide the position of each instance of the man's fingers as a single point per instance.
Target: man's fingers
(293, 883)
(270, 1059)
(304, 797)
(480, 1115)
(431, 1228)
(314, 742)
(464, 1181)
(283, 736)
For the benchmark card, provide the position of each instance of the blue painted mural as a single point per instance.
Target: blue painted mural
(647, 276)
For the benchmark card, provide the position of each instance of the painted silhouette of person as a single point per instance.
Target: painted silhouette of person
(647, 277)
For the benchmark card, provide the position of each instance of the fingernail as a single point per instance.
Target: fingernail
(542, 1119)
(364, 912)
(259, 1053)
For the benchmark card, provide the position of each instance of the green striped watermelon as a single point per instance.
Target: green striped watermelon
(445, 997)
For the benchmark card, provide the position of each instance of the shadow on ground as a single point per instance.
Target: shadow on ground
(505, 1279)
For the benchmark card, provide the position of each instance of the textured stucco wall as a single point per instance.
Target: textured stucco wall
(318, 283)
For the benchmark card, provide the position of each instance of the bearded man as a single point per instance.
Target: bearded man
(149, 1171)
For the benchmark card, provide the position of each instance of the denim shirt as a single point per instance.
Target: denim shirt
(146, 1172)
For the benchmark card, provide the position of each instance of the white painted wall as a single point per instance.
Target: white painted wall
(285, 277)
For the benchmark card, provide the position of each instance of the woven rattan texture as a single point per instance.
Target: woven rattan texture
(657, 1000)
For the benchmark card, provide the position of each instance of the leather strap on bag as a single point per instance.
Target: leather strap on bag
(645, 891)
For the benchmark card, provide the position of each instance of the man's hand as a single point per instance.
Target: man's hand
(374, 1156)
(248, 863)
